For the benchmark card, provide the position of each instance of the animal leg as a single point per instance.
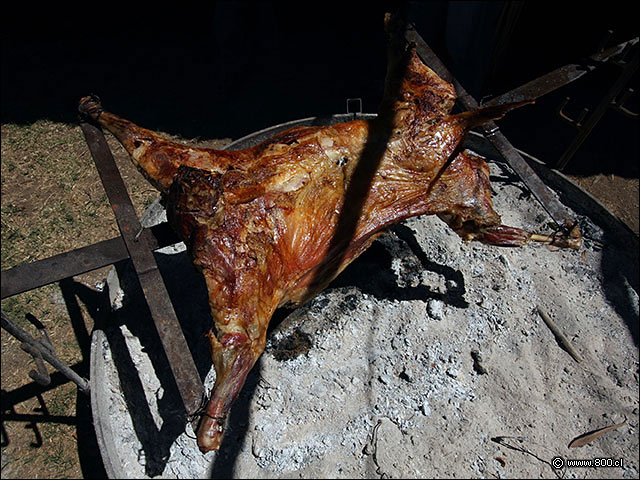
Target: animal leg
(233, 358)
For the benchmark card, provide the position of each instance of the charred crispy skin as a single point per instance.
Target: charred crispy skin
(274, 224)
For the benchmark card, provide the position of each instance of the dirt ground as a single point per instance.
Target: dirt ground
(618, 194)
(52, 202)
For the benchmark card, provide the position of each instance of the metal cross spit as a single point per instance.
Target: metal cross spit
(138, 244)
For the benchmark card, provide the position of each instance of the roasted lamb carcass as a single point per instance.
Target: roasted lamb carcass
(273, 224)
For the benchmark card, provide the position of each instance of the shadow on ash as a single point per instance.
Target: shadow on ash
(427, 356)
(412, 353)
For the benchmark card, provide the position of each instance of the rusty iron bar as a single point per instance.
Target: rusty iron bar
(28, 276)
(139, 245)
(562, 76)
(540, 191)
(540, 86)
(36, 274)
(43, 350)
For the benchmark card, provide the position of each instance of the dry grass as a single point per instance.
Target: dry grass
(52, 202)
(52, 198)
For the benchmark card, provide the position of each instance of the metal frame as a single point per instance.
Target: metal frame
(137, 243)
(42, 350)
(611, 99)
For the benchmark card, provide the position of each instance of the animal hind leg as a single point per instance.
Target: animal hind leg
(503, 235)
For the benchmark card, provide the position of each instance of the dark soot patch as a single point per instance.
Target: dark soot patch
(292, 346)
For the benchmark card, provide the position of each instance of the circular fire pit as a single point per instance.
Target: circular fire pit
(426, 357)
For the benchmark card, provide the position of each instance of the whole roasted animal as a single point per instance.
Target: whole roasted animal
(272, 225)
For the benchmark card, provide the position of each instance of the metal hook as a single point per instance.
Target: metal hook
(42, 330)
(575, 122)
(41, 374)
(618, 103)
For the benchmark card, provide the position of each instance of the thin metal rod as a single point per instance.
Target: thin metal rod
(34, 347)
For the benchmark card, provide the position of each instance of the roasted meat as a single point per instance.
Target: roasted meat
(272, 225)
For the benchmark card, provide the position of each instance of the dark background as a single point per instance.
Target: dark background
(226, 69)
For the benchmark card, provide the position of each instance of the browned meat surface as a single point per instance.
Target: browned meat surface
(274, 224)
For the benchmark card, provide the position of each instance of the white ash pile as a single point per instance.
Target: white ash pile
(422, 354)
